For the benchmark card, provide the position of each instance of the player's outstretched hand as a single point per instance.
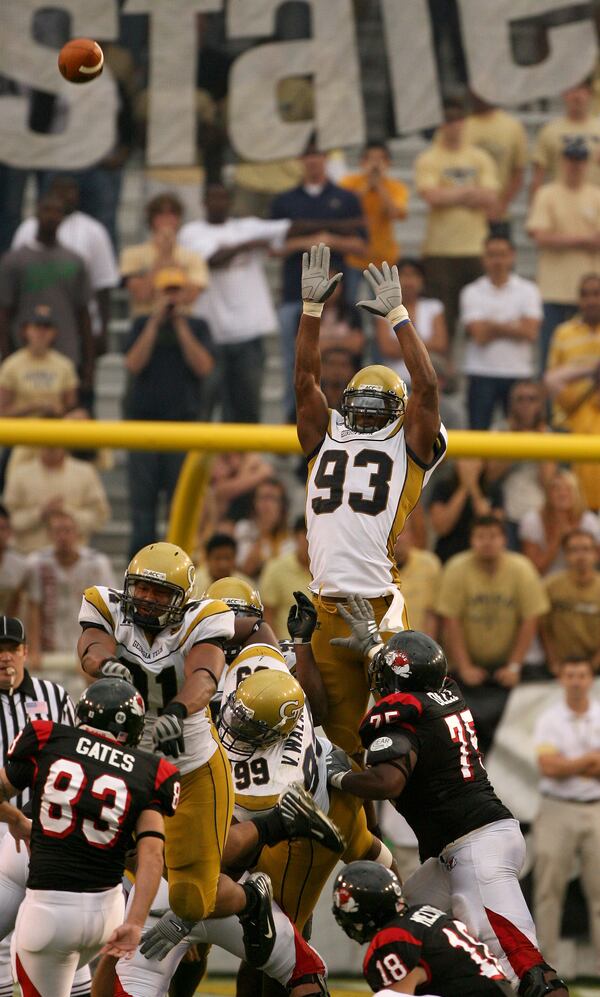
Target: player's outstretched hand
(358, 614)
(167, 734)
(385, 284)
(338, 765)
(302, 619)
(317, 286)
(116, 670)
(164, 935)
(123, 942)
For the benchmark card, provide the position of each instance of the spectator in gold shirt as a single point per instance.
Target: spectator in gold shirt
(490, 601)
(504, 138)
(572, 625)
(420, 573)
(282, 576)
(459, 183)
(37, 380)
(572, 379)
(577, 123)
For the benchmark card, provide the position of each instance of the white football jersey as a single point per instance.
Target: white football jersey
(260, 779)
(361, 488)
(158, 666)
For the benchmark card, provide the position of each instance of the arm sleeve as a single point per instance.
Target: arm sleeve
(472, 309)
(94, 510)
(95, 612)
(532, 304)
(488, 174)
(20, 760)
(540, 154)
(547, 735)
(395, 715)
(103, 266)
(426, 175)
(167, 788)
(7, 375)
(131, 261)
(214, 619)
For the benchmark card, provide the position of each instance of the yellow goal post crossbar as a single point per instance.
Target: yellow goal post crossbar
(200, 440)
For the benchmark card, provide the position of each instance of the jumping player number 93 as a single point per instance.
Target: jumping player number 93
(367, 467)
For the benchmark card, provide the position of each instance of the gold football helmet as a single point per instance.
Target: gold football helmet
(373, 398)
(239, 595)
(263, 710)
(169, 571)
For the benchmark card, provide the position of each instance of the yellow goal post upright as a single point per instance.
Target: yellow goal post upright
(202, 439)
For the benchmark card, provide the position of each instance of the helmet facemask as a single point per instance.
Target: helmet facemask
(240, 732)
(156, 615)
(367, 410)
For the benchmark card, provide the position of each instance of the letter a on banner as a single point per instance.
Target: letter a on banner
(90, 132)
(493, 73)
(330, 57)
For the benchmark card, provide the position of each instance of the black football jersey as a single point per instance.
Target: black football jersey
(88, 792)
(448, 793)
(456, 964)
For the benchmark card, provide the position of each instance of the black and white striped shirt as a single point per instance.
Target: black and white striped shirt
(34, 699)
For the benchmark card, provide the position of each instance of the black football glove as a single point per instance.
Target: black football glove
(302, 619)
(167, 735)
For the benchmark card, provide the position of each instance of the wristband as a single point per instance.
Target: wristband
(374, 650)
(398, 315)
(313, 308)
(176, 709)
(514, 666)
(300, 640)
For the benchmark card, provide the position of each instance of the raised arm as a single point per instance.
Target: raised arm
(422, 419)
(311, 406)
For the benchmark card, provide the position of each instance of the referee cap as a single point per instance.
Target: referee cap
(12, 630)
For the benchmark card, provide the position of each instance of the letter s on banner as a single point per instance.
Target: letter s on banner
(495, 76)
(256, 128)
(92, 110)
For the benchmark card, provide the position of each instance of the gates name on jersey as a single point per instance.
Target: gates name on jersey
(440, 729)
(83, 815)
(260, 780)
(454, 961)
(158, 666)
(368, 483)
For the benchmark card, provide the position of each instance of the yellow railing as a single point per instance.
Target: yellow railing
(200, 439)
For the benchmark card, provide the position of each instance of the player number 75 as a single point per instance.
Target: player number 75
(462, 732)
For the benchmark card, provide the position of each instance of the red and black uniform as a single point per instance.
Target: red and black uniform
(448, 793)
(88, 792)
(455, 963)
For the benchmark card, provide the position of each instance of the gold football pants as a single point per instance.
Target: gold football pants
(195, 837)
(344, 674)
(300, 868)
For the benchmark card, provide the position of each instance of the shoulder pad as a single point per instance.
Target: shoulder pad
(388, 747)
(401, 710)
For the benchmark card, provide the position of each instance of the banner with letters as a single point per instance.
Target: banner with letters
(496, 69)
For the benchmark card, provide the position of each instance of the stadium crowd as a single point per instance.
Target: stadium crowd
(499, 562)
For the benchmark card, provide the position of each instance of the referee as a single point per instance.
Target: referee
(23, 697)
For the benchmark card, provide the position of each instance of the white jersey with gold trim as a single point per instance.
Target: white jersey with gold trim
(158, 666)
(361, 488)
(260, 780)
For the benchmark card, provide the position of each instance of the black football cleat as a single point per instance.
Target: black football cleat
(257, 920)
(302, 818)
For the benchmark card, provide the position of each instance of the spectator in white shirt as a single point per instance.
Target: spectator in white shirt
(84, 235)
(502, 314)
(237, 304)
(58, 575)
(567, 743)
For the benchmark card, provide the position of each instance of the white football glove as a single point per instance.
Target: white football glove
(317, 285)
(388, 294)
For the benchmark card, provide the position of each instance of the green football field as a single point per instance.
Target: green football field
(225, 987)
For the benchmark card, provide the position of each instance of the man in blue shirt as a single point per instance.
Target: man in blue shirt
(320, 211)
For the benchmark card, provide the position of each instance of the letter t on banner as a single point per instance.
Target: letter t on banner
(172, 123)
(493, 73)
(256, 128)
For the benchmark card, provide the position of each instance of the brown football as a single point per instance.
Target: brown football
(81, 60)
